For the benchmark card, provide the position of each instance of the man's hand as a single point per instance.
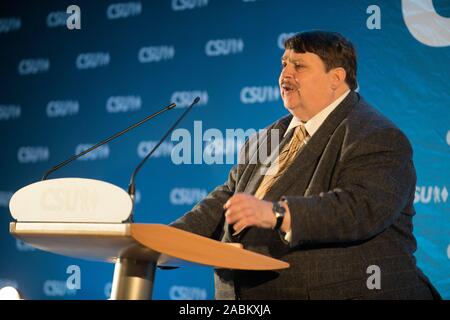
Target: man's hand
(244, 210)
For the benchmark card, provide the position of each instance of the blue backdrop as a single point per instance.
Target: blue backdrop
(62, 90)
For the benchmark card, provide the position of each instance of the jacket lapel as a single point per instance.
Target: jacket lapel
(266, 144)
(299, 172)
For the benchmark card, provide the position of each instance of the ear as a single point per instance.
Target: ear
(338, 76)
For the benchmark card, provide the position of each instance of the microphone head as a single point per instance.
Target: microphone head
(196, 100)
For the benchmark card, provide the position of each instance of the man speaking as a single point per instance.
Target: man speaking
(337, 201)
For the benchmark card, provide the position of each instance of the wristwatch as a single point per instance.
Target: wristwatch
(279, 212)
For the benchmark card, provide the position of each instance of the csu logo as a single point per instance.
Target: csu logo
(186, 196)
(224, 47)
(56, 19)
(97, 154)
(62, 108)
(282, 38)
(184, 99)
(33, 66)
(9, 112)
(187, 293)
(123, 10)
(91, 60)
(164, 150)
(156, 54)
(428, 194)
(264, 94)
(56, 288)
(180, 5)
(10, 24)
(123, 104)
(32, 154)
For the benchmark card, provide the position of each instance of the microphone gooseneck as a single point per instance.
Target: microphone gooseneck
(118, 134)
(132, 184)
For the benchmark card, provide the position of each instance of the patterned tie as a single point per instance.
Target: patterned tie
(283, 161)
(279, 166)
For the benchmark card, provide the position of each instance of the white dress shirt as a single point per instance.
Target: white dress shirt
(313, 124)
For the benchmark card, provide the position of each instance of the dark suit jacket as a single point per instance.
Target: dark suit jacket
(350, 192)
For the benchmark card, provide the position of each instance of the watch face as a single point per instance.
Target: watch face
(279, 215)
(279, 212)
(277, 208)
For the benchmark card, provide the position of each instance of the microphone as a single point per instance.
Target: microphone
(132, 185)
(118, 134)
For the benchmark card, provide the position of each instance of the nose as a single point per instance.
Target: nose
(286, 72)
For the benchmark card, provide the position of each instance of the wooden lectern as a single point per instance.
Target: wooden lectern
(136, 250)
(81, 218)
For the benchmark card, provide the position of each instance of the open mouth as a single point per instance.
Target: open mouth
(287, 88)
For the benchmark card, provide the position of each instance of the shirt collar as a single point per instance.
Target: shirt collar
(313, 124)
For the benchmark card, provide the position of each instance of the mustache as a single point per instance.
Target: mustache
(290, 85)
(289, 82)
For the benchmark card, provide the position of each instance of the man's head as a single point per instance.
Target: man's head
(317, 67)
